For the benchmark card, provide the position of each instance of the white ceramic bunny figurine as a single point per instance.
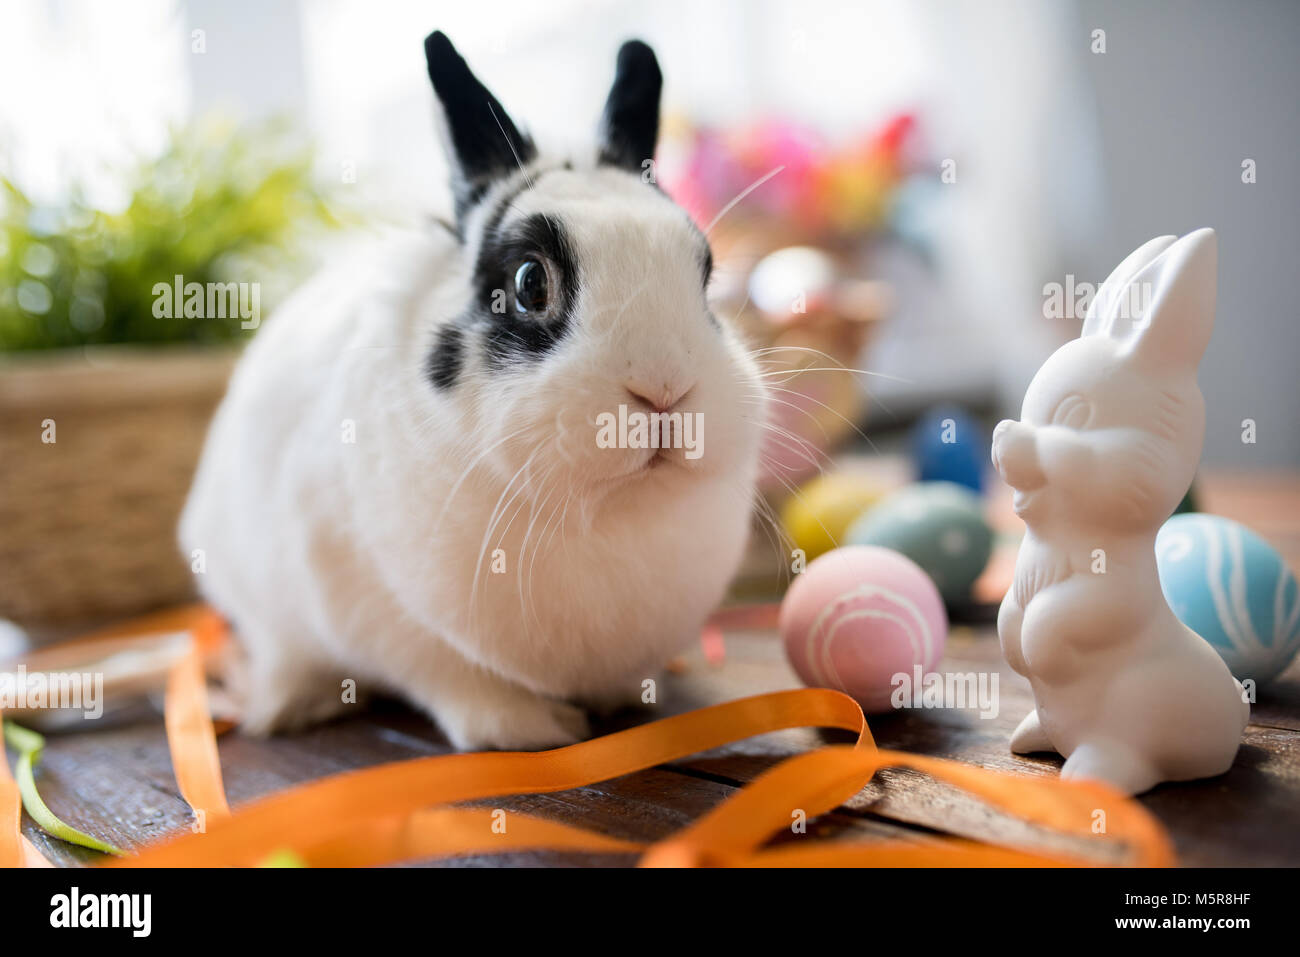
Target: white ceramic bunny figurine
(1108, 440)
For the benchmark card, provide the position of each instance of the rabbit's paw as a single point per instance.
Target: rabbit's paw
(1030, 737)
(1111, 763)
(281, 700)
(616, 699)
(521, 722)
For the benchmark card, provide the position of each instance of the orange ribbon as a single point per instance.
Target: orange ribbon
(392, 812)
(11, 835)
(192, 739)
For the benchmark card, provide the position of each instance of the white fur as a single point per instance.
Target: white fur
(1108, 440)
(372, 560)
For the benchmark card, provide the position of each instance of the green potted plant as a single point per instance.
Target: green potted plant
(118, 330)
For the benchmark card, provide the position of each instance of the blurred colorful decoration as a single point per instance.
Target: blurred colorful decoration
(823, 188)
(949, 445)
(857, 617)
(938, 525)
(1234, 590)
(817, 516)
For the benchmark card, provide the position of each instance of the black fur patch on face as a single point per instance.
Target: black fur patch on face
(446, 358)
(630, 125)
(706, 272)
(509, 336)
(491, 317)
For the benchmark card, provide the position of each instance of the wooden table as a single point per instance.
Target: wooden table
(117, 783)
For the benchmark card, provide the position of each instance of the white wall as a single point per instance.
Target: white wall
(1184, 93)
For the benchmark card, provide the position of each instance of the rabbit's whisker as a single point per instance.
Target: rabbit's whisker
(497, 513)
(740, 196)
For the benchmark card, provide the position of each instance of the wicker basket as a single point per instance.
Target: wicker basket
(88, 521)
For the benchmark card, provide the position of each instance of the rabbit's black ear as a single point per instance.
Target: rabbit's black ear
(630, 125)
(483, 143)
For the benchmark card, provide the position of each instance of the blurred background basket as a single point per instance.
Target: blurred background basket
(89, 519)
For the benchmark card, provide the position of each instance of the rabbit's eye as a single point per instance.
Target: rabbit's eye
(531, 288)
(1074, 412)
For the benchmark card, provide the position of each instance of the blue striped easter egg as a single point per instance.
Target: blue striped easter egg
(1231, 587)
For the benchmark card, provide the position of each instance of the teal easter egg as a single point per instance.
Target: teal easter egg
(1233, 589)
(938, 525)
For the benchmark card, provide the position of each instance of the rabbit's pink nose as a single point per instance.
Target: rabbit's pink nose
(659, 399)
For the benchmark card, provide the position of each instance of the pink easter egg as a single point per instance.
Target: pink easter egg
(856, 617)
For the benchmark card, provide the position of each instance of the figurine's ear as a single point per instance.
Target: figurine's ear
(1105, 304)
(629, 126)
(1174, 330)
(482, 142)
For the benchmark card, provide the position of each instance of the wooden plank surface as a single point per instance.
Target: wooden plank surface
(116, 782)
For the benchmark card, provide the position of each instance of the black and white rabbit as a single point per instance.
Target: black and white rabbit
(404, 487)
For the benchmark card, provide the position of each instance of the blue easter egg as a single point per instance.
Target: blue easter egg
(1233, 589)
(950, 446)
(938, 525)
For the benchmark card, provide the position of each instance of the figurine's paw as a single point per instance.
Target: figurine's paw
(1029, 736)
(522, 722)
(1111, 763)
(1049, 653)
(1010, 620)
